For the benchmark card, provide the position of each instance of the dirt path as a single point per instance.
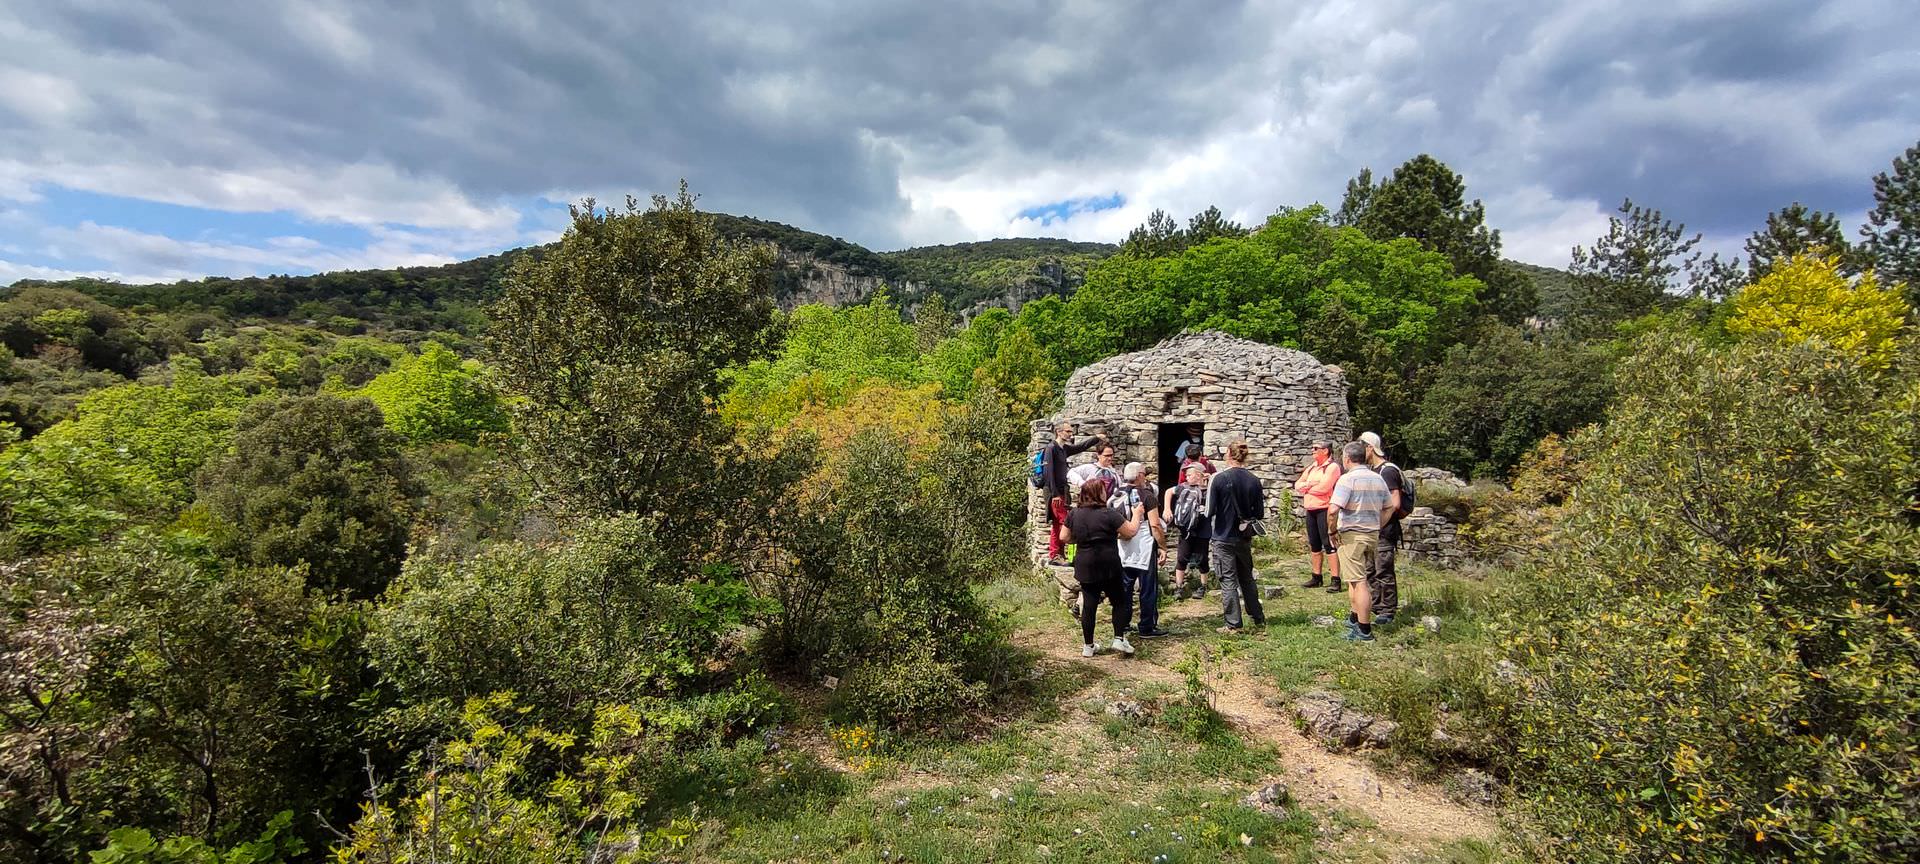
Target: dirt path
(1417, 814)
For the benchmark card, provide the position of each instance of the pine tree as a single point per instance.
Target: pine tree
(1796, 230)
(1426, 201)
(1891, 237)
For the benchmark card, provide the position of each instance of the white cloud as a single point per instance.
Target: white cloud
(893, 125)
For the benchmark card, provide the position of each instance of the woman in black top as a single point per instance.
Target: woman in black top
(1098, 529)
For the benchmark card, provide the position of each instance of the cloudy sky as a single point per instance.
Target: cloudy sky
(258, 136)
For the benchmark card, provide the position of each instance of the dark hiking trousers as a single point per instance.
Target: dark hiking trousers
(1145, 580)
(1383, 582)
(1233, 567)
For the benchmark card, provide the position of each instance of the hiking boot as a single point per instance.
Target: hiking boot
(1059, 562)
(1335, 587)
(1355, 635)
(1155, 633)
(1200, 593)
(1315, 582)
(1227, 630)
(1088, 650)
(1382, 620)
(1353, 631)
(1179, 593)
(1121, 645)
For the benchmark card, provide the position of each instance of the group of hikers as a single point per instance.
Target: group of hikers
(1118, 522)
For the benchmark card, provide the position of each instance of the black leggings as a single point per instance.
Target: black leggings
(1317, 540)
(1118, 598)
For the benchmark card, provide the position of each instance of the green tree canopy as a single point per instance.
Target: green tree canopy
(1795, 230)
(614, 342)
(1425, 200)
(434, 396)
(315, 480)
(1498, 393)
(1891, 236)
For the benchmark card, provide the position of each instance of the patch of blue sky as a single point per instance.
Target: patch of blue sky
(66, 208)
(1060, 211)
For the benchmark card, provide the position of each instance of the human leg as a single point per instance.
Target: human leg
(1316, 546)
(1198, 561)
(1056, 516)
(1221, 551)
(1356, 553)
(1089, 610)
(1243, 577)
(1383, 583)
(1147, 583)
(1123, 605)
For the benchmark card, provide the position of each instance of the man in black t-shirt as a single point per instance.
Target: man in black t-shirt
(1383, 581)
(1234, 502)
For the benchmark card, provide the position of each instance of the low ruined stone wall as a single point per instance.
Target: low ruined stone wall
(1429, 538)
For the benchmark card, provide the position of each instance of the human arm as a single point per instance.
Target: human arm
(1128, 528)
(1257, 506)
(1154, 524)
(1323, 487)
(1077, 449)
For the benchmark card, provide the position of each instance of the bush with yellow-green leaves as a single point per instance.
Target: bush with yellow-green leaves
(1718, 661)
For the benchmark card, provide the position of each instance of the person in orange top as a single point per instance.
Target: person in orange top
(1315, 488)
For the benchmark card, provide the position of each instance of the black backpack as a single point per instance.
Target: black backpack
(1187, 504)
(1406, 489)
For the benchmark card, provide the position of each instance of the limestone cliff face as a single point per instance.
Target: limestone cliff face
(800, 278)
(1046, 279)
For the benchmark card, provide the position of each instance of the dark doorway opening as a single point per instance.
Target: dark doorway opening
(1168, 445)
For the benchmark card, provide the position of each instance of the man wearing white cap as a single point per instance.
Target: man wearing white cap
(1382, 582)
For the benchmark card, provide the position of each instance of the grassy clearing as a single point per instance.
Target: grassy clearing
(1086, 787)
(1408, 674)
(1060, 778)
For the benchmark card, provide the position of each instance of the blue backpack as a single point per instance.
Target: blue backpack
(1037, 477)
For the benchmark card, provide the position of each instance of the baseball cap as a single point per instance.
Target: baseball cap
(1372, 439)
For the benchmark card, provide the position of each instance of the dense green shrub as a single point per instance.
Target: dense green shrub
(496, 795)
(887, 543)
(434, 396)
(612, 345)
(276, 844)
(604, 615)
(1719, 660)
(1493, 397)
(315, 480)
(129, 454)
(156, 691)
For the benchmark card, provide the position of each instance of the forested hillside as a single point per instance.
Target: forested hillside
(446, 297)
(601, 554)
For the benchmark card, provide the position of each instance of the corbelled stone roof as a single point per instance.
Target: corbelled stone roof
(1214, 352)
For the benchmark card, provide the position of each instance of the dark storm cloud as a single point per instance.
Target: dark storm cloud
(829, 115)
(770, 110)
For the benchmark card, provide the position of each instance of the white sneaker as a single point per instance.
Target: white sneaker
(1121, 645)
(1087, 650)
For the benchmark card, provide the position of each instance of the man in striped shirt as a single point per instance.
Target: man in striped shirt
(1361, 501)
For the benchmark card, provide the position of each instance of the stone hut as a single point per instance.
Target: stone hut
(1279, 400)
